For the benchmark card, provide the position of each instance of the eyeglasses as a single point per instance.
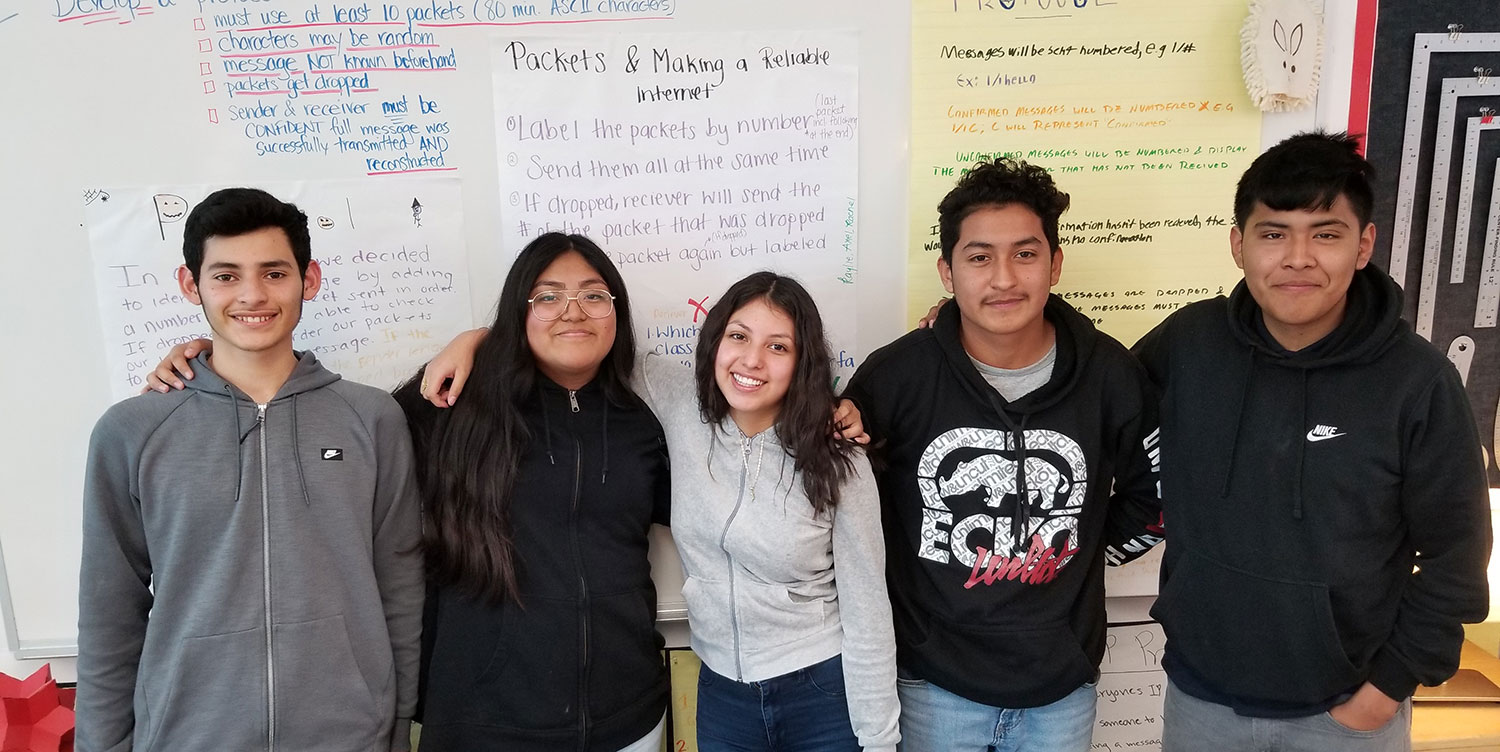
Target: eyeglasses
(550, 305)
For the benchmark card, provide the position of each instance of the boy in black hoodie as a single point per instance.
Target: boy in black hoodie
(1004, 427)
(1322, 481)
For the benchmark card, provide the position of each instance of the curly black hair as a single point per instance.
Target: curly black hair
(1000, 183)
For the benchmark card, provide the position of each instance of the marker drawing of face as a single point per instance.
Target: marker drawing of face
(169, 208)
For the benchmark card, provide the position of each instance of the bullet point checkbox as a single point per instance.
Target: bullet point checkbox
(209, 88)
(205, 45)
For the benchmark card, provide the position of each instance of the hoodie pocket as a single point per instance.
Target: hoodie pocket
(626, 667)
(323, 699)
(467, 650)
(770, 616)
(1042, 662)
(708, 602)
(213, 697)
(504, 666)
(1253, 637)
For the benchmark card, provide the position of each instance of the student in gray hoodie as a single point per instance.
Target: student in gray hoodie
(777, 521)
(250, 578)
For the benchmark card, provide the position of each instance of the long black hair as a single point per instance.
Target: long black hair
(468, 455)
(805, 421)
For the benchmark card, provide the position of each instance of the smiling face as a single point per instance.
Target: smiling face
(569, 349)
(1000, 275)
(170, 208)
(754, 364)
(1298, 266)
(250, 292)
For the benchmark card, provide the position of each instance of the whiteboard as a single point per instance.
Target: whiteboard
(116, 93)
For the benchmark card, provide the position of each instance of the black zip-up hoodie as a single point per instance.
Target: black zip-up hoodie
(998, 601)
(577, 666)
(1298, 489)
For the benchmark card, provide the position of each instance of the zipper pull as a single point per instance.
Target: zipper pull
(573, 399)
(260, 414)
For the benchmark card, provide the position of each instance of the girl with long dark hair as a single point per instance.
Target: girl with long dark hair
(778, 524)
(539, 490)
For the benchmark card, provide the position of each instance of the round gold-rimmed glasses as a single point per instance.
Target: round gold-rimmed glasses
(550, 305)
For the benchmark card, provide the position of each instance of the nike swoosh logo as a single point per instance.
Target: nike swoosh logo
(1324, 437)
(330, 454)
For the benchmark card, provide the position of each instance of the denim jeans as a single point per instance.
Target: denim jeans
(1190, 724)
(936, 720)
(801, 710)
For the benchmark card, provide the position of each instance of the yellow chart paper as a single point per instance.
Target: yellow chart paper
(1138, 109)
(684, 667)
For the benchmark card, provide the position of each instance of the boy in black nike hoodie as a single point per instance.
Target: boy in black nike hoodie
(1001, 430)
(1322, 481)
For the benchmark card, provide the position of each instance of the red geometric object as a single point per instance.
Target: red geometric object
(33, 716)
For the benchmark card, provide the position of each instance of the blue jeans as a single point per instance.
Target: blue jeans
(1190, 724)
(801, 710)
(936, 720)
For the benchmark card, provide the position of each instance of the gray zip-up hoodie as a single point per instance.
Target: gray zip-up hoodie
(250, 578)
(771, 587)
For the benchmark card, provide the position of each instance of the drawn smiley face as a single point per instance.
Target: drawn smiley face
(325, 223)
(169, 207)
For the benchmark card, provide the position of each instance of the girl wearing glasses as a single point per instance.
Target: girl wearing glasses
(539, 489)
(777, 523)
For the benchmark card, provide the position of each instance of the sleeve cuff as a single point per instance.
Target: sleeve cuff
(401, 735)
(1391, 676)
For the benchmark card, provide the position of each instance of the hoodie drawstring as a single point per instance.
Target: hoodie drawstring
(1301, 454)
(239, 456)
(1021, 522)
(1239, 419)
(604, 472)
(547, 429)
(297, 452)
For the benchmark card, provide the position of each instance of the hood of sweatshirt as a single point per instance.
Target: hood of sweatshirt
(306, 376)
(1075, 337)
(1371, 325)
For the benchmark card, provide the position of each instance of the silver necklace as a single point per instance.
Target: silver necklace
(760, 453)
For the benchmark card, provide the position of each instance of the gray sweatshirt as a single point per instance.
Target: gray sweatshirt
(249, 577)
(771, 587)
